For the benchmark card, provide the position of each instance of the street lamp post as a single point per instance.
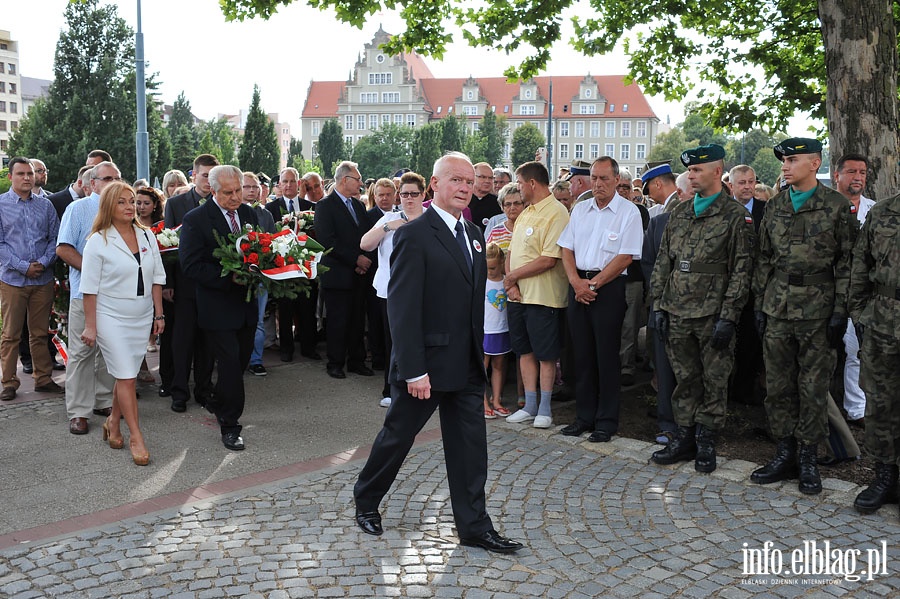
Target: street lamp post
(142, 139)
(550, 132)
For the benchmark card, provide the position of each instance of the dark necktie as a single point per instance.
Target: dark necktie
(461, 241)
(234, 223)
(290, 205)
(349, 203)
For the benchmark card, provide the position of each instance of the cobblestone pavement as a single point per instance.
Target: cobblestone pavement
(597, 521)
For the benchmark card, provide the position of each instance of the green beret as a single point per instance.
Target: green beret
(797, 145)
(703, 154)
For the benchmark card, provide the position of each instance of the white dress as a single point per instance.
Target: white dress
(110, 271)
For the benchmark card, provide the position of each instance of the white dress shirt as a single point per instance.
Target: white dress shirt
(597, 236)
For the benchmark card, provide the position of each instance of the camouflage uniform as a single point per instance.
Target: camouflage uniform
(702, 274)
(800, 281)
(875, 303)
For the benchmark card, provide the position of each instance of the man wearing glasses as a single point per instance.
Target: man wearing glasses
(88, 384)
(340, 224)
(40, 177)
(484, 203)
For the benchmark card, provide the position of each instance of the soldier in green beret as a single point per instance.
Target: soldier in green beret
(875, 310)
(699, 286)
(800, 287)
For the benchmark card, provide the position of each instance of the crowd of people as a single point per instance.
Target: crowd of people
(747, 293)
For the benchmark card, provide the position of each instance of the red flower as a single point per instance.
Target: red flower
(265, 242)
(253, 258)
(266, 249)
(291, 260)
(252, 235)
(279, 261)
(302, 237)
(245, 247)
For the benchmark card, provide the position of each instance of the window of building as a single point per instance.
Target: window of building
(612, 107)
(12, 69)
(3, 144)
(2, 87)
(609, 149)
(470, 95)
(626, 128)
(470, 110)
(2, 67)
(641, 129)
(476, 127)
(379, 59)
(587, 109)
(360, 121)
(348, 121)
(315, 128)
(14, 125)
(13, 107)
(564, 129)
(594, 151)
(315, 148)
(506, 109)
(390, 97)
(526, 109)
(359, 137)
(373, 121)
(506, 150)
(610, 129)
(381, 78)
(624, 107)
(527, 94)
(595, 128)
(2, 125)
(640, 151)
(12, 88)
(368, 97)
(519, 124)
(563, 151)
(625, 152)
(579, 151)
(587, 93)
(348, 139)
(579, 128)
(3, 46)
(398, 119)
(411, 120)
(385, 119)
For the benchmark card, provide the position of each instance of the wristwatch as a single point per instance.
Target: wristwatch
(592, 287)
(386, 227)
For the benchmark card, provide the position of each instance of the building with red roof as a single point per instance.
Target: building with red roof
(592, 116)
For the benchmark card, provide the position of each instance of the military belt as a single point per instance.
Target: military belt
(886, 291)
(702, 268)
(805, 280)
(587, 274)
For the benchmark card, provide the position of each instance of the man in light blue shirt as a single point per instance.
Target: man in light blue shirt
(27, 232)
(89, 387)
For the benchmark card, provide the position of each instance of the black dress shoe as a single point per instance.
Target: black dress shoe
(58, 366)
(491, 541)
(233, 441)
(312, 355)
(287, 357)
(369, 522)
(179, 405)
(336, 372)
(102, 412)
(575, 429)
(163, 392)
(27, 368)
(361, 370)
(600, 437)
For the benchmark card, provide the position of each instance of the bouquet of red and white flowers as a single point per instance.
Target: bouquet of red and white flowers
(283, 263)
(299, 222)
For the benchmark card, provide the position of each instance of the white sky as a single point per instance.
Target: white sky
(281, 55)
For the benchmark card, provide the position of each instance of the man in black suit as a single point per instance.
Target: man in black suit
(748, 352)
(484, 203)
(385, 196)
(302, 308)
(340, 224)
(436, 312)
(186, 343)
(227, 320)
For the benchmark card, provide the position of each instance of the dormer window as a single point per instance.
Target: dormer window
(379, 59)
(527, 94)
(587, 93)
(470, 95)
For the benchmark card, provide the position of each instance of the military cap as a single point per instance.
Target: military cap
(703, 154)
(263, 178)
(652, 173)
(797, 145)
(579, 167)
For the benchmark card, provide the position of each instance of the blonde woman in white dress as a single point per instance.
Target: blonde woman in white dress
(121, 278)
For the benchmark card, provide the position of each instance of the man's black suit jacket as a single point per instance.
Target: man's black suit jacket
(335, 229)
(278, 207)
(436, 304)
(652, 242)
(60, 200)
(220, 301)
(759, 209)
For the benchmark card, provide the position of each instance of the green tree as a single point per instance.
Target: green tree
(669, 146)
(4, 180)
(475, 146)
(453, 134)
(384, 151)
(525, 142)
(753, 63)
(697, 128)
(744, 147)
(295, 150)
(426, 148)
(766, 166)
(219, 139)
(332, 149)
(492, 128)
(259, 148)
(184, 150)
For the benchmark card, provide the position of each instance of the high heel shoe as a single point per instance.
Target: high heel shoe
(113, 443)
(140, 459)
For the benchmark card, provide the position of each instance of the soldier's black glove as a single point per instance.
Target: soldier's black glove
(860, 329)
(723, 331)
(661, 320)
(834, 331)
(759, 319)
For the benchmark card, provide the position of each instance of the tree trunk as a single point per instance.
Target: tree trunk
(860, 41)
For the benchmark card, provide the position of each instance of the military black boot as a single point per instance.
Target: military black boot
(810, 481)
(680, 449)
(882, 490)
(783, 466)
(706, 450)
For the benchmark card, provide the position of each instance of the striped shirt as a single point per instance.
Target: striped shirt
(27, 234)
(74, 229)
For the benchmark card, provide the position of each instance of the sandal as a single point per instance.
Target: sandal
(489, 414)
(151, 347)
(502, 412)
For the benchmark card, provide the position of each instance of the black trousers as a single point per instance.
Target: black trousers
(748, 360)
(375, 328)
(189, 348)
(665, 384)
(465, 451)
(231, 350)
(346, 322)
(166, 349)
(304, 309)
(388, 345)
(596, 330)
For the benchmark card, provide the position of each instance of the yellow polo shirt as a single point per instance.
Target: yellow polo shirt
(536, 232)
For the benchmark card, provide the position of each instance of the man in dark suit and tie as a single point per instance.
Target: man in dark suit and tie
(77, 190)
(436, 313)
(186, 342)
(227, 320)
(340, 224)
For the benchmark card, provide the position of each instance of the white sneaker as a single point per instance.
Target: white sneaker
(520, 416)
(542, 422)
(385, 402)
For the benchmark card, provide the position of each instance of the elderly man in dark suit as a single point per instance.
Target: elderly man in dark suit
(436, 312)
(227, 320)
(186, 343)
(340, 224)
